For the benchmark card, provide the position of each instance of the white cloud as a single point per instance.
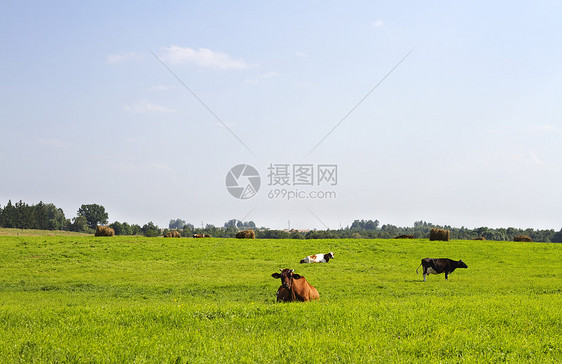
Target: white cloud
(378, 23)
(203, 57)
(143, 107)
(121, 57)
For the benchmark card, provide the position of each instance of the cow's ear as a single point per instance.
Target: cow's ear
(276, 275)
(296, 276)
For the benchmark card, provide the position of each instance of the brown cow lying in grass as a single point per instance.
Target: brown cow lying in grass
(294, 287)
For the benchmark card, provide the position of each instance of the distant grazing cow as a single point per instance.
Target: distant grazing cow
(318, 258)
(173, 234)
(294, 287)
(437, 266)
(201, 236)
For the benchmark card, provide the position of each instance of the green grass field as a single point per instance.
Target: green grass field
(34, 232)
(133, 299)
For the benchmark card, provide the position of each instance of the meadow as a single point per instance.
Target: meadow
(77, 299)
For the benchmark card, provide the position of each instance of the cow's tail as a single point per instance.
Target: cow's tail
(418, 268)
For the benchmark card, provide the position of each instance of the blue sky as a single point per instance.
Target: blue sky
(465, 131)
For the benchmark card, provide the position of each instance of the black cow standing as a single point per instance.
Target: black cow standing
(437, 266)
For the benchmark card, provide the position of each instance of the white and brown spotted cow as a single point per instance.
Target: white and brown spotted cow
(318, 258)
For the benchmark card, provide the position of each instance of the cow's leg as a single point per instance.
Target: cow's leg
(446, 275)
(424, 273)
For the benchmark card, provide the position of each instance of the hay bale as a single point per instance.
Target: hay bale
(173, 234)
(405, 237)
(479, 238)
(246, 234)
(523, 238)
(439, 234)
(104, 231)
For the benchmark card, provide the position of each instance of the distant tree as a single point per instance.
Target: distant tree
(365, 225)
(136, 229)
(372, 225)
(9, 215)
(40, 216)
(94, 214)
(557, 238)
(294, 234)
(55, 217)
(150, 230)
(127, 229)
(313, 234)
(233, 223)
(187, 230)
(79, 224)
(274, 234)
(229, 231)
(177, 224)
(117, 227)
(357, 225)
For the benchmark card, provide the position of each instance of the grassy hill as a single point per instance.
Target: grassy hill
(135, 299)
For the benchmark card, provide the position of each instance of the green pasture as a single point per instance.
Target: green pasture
(179, 300)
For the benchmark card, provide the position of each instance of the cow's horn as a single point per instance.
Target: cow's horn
(281, 269)
(292, 270)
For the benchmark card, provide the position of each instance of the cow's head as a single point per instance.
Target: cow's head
(462, 264)
(287, 277)
(331, 255)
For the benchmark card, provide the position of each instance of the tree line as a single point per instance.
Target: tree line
(46, 216)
